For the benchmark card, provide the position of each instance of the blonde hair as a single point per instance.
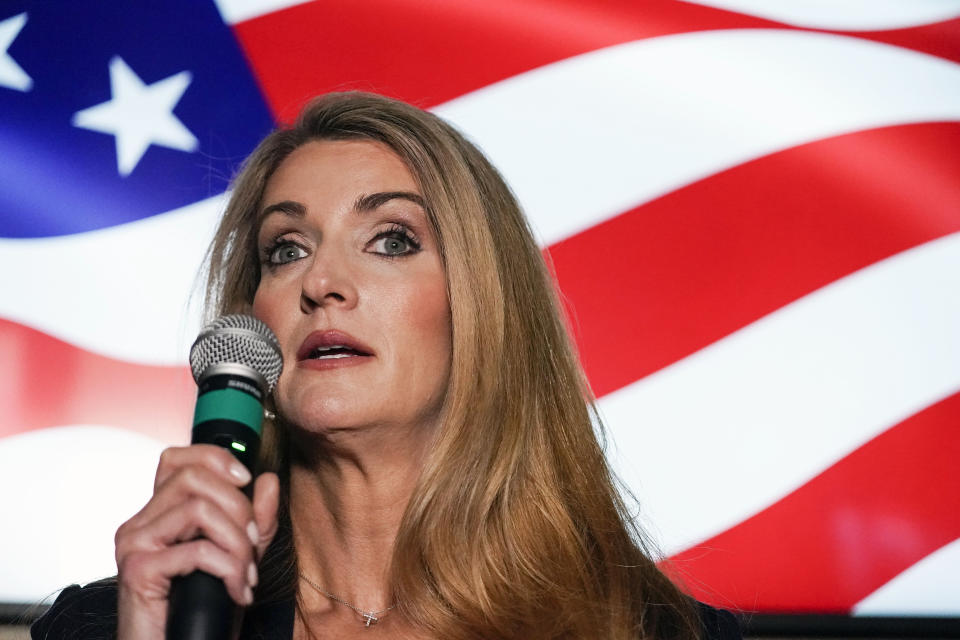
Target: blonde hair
(516, 528)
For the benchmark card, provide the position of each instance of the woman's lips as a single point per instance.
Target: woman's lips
(331, 349)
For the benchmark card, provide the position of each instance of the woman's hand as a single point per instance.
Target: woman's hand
(198, 518)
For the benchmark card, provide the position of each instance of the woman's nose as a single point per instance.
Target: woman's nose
(328, 281)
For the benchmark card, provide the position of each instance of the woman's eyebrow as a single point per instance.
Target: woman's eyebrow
(289, 207)
(369, 202)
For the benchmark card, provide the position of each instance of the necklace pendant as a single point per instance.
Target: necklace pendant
(369, 617)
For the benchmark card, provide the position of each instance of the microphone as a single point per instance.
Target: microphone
(236, 362)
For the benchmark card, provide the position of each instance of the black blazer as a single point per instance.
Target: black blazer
(90, 613)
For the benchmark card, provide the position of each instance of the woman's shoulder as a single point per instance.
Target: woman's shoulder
(718, 624)
(90, 613)
(80, 612)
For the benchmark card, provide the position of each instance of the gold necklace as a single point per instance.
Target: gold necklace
(370, 617)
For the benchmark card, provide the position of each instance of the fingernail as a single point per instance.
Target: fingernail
(240, 472)
(252, 574)
(253, 533)
(248, 595)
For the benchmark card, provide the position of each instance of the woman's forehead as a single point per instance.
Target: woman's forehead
(324, 164)
(335, 176)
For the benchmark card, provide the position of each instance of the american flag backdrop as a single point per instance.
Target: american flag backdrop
(752, 209)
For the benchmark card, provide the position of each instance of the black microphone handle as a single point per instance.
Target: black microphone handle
(199, 607)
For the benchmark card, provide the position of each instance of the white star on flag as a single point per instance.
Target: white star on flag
(12, 75)
(139, 115)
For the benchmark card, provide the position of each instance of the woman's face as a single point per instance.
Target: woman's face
(353, 286)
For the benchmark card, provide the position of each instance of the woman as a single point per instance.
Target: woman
(432, 470)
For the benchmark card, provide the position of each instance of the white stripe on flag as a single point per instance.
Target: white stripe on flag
(234, 11)
(844, 15)
(65, 504)
(758, 413)
(928, 588)
(121, 292)
(587, 138)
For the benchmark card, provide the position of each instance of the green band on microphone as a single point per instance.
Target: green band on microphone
(229, 404)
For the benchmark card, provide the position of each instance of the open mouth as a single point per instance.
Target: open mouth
(334, 352)
(331, 345)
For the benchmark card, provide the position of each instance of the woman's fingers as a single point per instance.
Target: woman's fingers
(197, 496)
(195, 518)
(196, 481)
(216, 459)
(149, 572)
(266, 498)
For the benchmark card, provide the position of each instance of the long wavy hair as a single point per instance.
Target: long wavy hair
(516, 528)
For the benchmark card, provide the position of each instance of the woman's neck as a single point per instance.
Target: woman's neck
(347, 498)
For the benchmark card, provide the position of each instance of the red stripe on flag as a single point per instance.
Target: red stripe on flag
(941, 39)
(847, 532)
(50, 382)
(670, 277)
(428, 53)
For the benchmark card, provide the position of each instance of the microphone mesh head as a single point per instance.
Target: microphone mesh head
(238, 339)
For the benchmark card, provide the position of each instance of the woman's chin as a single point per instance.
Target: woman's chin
(325, 421)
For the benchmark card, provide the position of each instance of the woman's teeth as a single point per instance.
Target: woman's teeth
(335, 351)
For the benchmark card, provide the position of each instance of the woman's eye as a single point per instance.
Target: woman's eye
(393, 244)
(286, 252)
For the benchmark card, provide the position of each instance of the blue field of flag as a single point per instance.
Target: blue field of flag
(110, 116)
